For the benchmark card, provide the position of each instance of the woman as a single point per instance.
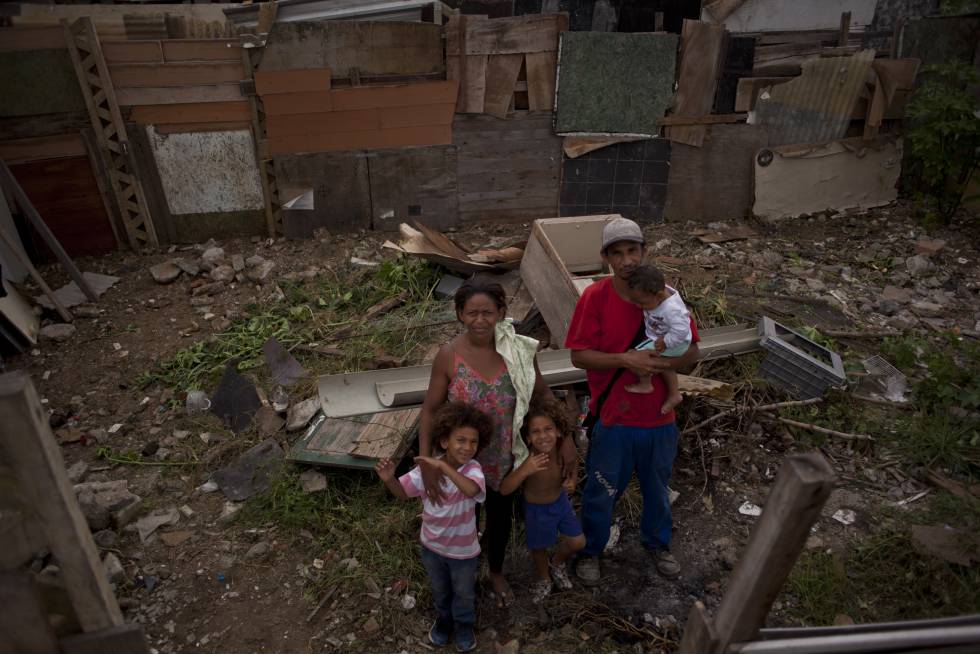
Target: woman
(492, 368)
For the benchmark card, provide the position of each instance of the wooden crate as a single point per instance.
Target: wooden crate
(560, 261)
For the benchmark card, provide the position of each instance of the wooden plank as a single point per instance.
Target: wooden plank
(502, 72)
(30, 448)
(699, 634)
(792, 64)
(431, 114)
(22, 127)
(132, 52)
(201, 50)
(122, 639)
(17, 39)
(198, 112)
(289, 104)
(703, 49)
(509, 35)
(714, 182)
(24, 620)
(105, 186)
(362, 140)
(178, 94)
(291, 81)
(803, 484)
(542, 68)
(43, 147)
(713, 119)
(144, 75)
(27, 208)
(14, 246)
(415, 184)
(187, 128)
(385, 434)
(401, 95)
(748, 90)
(471, 94)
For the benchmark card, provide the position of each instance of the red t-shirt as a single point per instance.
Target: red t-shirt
(605, 322)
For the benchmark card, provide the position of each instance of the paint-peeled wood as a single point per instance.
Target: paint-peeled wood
(702, 50)
(816, 106)
(838, 175)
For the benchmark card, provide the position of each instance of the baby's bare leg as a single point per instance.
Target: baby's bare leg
(673, 392)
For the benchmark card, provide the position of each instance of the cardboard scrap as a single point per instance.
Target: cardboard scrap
(70, 295)
(432, 245)
(576, 146)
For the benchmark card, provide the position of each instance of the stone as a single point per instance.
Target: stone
(175, 538)
(260, 272)
(86, 311)
(815, 284)
(919, 265)
(222, 273)
(105, 503)
(371, 626)
(188, 266)
(58, 332)
(106, 539)
(251, 472)
(300, 414)
(228, 511)
(146, 525)
(113, 568)
(209, 289)
(166, 272)
(896, 294)
(237, 262)
(928, 309)
(929, 247)
(212, 257)
(267, 421)
(887, 307)
(258, 551)
(312, 481)
(77, 472)
(99, 435)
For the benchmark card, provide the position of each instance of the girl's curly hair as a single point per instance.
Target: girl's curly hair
(453, 415)
(549, 407)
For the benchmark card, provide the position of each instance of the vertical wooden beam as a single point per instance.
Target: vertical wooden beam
(845, 29)
(802, 486)
(29, 447)
(102, 180)
(20, 197)
(699, 635)
(110, 131)
(267, 169)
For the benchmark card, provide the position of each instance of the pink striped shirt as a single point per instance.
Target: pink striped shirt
(449, 529)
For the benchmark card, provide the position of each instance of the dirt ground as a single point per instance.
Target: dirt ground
(207, 593)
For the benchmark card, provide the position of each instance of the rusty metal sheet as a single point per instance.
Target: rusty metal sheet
(816, 106)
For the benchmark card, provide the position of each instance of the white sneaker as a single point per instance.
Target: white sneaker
(540, 590)
(559, 574)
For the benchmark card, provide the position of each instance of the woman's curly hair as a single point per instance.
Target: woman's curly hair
(549, 407)
(453, 415)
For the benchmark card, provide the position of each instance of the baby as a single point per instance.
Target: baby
(547, 510)
(668, 327)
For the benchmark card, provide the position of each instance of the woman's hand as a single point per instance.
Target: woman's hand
(432, 476)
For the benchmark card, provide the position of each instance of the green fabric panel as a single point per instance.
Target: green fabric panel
(613, 82)
(34, 82)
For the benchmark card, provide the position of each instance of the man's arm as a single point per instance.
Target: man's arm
(640, 361)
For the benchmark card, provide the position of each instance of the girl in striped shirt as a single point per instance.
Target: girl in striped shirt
(450, 543)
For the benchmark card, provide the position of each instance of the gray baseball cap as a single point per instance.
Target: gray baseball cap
(621, 229)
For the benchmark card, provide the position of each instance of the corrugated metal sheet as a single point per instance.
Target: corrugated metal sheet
(816, 106)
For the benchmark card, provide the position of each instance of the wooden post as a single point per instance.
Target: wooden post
(845, 29)
(30, 449)
(802, 486)
(25, 204)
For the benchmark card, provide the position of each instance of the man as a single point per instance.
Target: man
(632, 434)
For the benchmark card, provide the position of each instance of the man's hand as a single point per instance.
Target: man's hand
(642, 362)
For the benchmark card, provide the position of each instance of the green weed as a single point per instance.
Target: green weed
(939, 440)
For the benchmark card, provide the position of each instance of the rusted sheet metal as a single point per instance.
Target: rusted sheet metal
(816, 106)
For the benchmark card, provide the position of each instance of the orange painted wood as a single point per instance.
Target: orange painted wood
(422, 115)
(401, 95)
(327, 122)
(307, 102)
(42, 147)
(144, 75)
(362, 140)
(179, 94)
(132, 52)
(195, 112)
(290, 81)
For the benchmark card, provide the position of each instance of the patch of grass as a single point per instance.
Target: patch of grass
(355, 517)
(939, 440)
(879, 578)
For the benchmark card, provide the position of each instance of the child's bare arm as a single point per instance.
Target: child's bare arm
(386, 471)
(532, 464)
(466, 486)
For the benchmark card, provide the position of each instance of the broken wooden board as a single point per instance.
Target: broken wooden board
(816, 106)
(702, 52)
(508, 35)
(891, 77)
(332, 441)
(576, 146)
(714, 182)
(600, 89)
(18, 314)
(804, 179)
(502, 72)
(386, 435)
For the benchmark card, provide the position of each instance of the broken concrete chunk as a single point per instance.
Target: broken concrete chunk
(260, 272)
(106, 503)
(113, 568)
(918, 265)
(237, 262)
(212, 257)
(929, 246)
(251, 473)
(166, 272)
(222, 273)
(59, 332)
(188, 266)
(77, 472)
(300, 414)
(312, 481)
(258, 551)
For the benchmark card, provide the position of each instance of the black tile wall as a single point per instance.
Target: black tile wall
(626, 178)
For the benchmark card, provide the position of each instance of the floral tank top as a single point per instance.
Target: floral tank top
(497, 398)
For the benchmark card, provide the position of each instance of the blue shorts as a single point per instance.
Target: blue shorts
(543, 522)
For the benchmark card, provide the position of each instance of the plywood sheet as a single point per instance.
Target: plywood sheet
(702, 49)
(415, 184)
(341, 190)
(38, 82)
(471, 94)
(507, 169)
(816, 106)
(714, 182)
(600, 89)
(207, 172)
(839, 175)
(542, 67)
(373, 48)
(502, 72)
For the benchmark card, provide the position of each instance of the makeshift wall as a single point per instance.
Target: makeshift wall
(625, 178)
(131, 21)
(341, 191)
(508, 170)
(796, 15)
